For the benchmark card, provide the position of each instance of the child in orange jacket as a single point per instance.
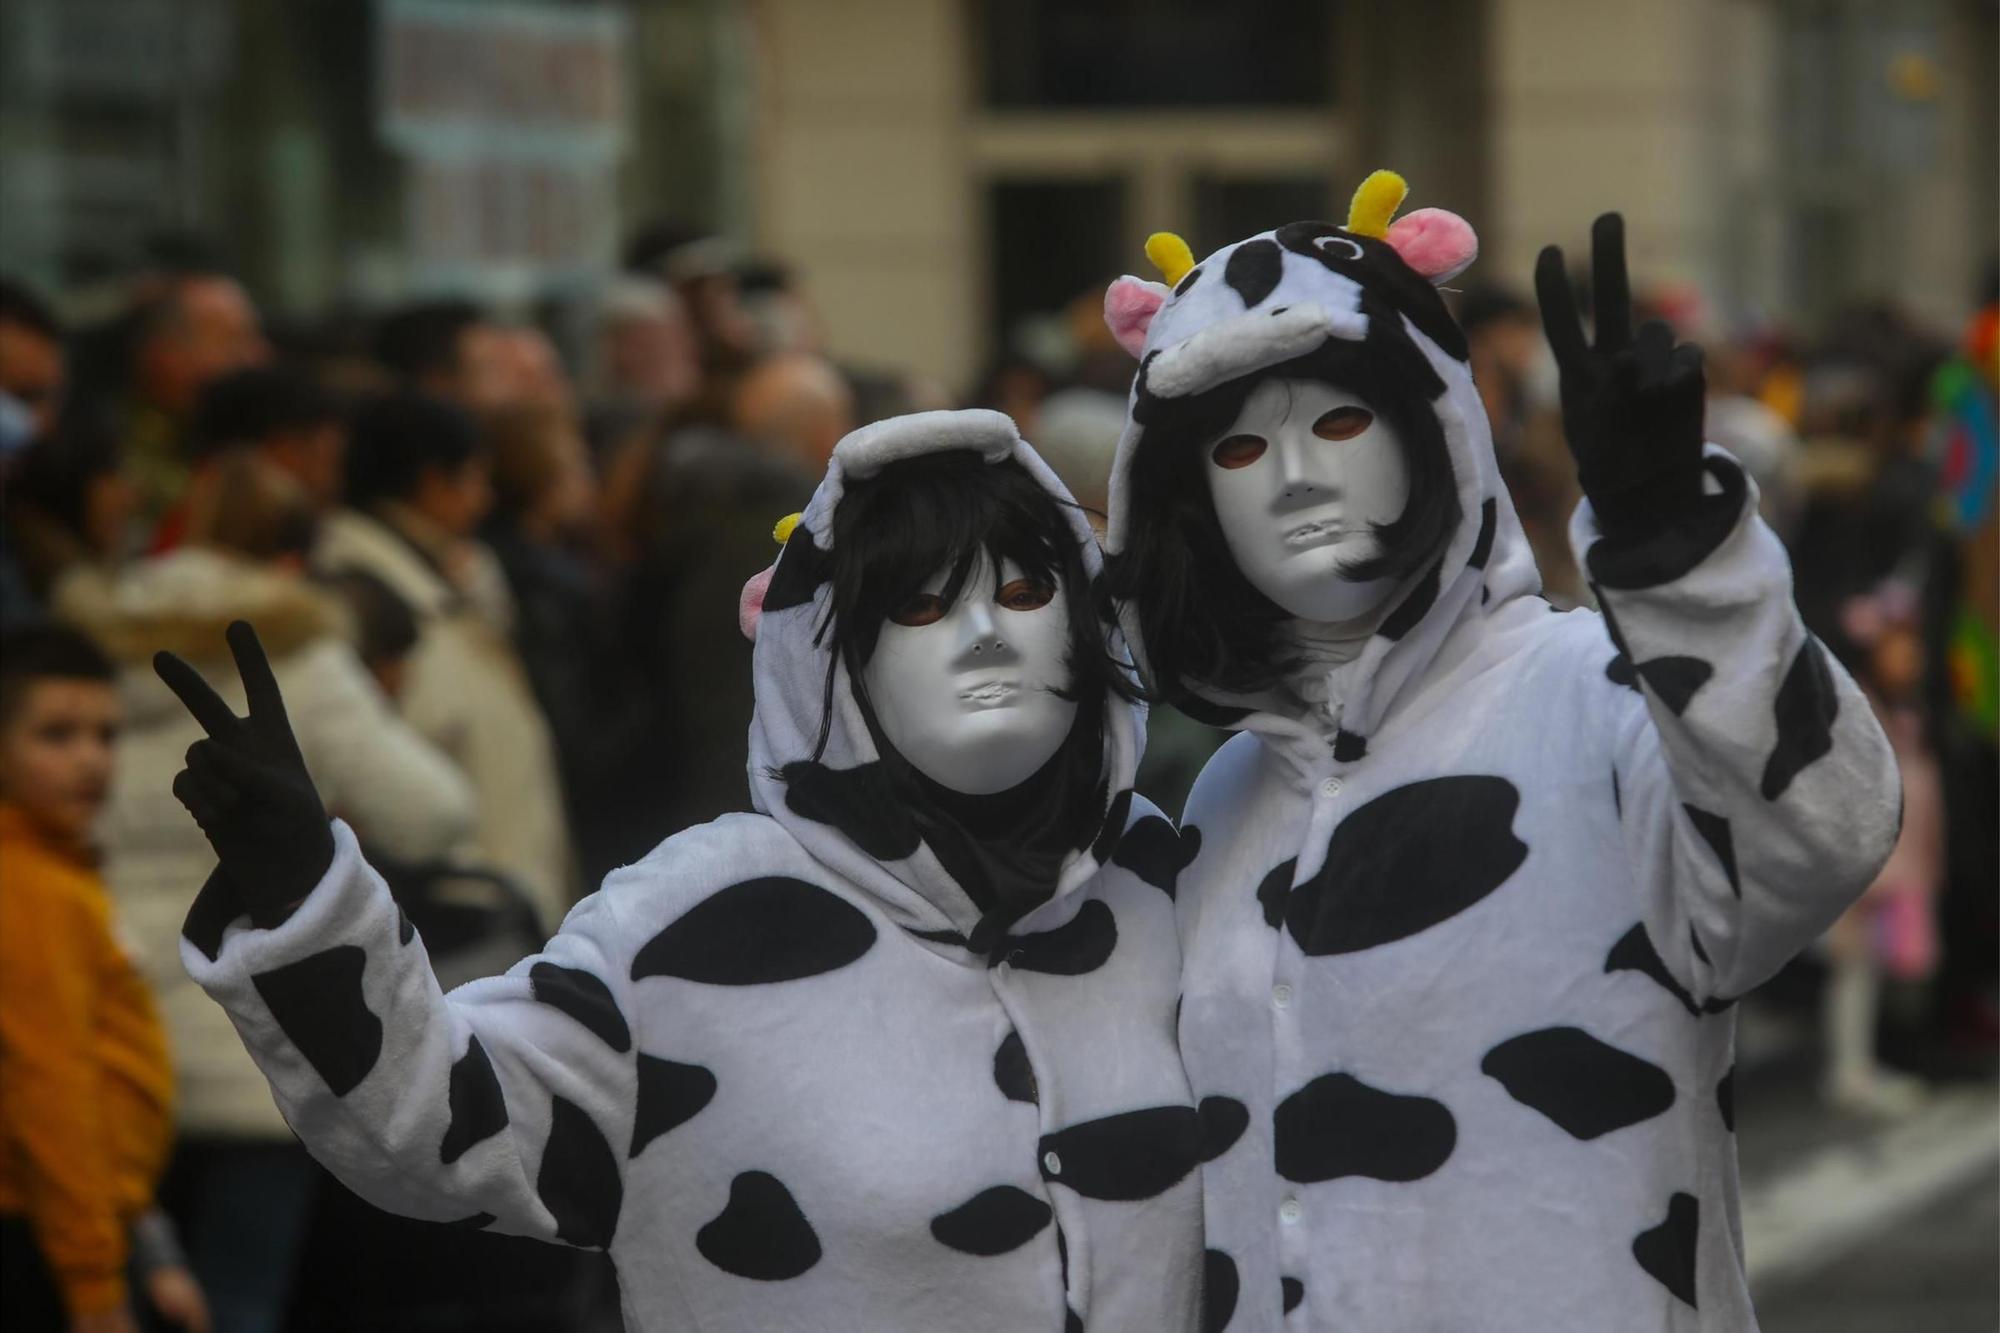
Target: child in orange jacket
(85, 1084)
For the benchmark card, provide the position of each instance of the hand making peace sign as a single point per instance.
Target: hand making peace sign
(1632, 406)
(247, 785)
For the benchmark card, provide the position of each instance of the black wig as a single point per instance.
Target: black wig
(1202, 622)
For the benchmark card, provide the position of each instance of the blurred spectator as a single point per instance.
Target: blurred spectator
(1077, 434)
(189, 331)
(198, 328)
(1015, 385)
(276, 412)
(240, 1185)
(450, 350)
(1892, 932)
(32, 366)
(794, 408)
(31, 383)
(700, 267)
(1867, 490)
(336, 351)
(68, 507)
(543, 489)
(1756, 433)
(534, 370)
(287, 419)
(385, 631)
(645, 360)
(418, 487)
(85, 1083)
(1510, 366)
(1962, 634)
(700, 525)
(1503, 336)
(564, 629)
(777, 308)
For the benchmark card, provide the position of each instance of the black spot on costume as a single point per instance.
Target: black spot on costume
(1223, 1120)
(318, 1003)
(1714, 831)
(1253, 271)
(761, 1235)
(860, 802)
(1587, 1086)
(1338, 1126)
(1012, 1073)
(758, 932)
(583, 997)
(1081, 945)
(1806, 708)
(1667, 1251)
(579, 1181)
(1155, 853)
(478, 1107)
(993, 1221)
(1219, 1285)
(670, 1095)
(1409, 859)
(1133, 1155)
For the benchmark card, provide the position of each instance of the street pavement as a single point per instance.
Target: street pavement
(1859, 1226)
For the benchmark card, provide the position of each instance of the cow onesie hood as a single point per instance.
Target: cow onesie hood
(784, 1069)
(1463, 934)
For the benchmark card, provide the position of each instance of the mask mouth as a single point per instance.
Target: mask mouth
(989, 694)
(1315, 533)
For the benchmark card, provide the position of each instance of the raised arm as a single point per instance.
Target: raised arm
(1758, 794)
(497, 1105)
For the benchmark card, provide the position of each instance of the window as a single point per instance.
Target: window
(1056, 54)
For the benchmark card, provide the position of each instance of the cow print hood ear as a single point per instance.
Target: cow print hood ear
(1282, 294)
(814, 765)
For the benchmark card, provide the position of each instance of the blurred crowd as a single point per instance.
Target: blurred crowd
(496, 560)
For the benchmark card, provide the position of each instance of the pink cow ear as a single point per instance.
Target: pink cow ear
(1129, 306)
(1435, 243)
(750, 602)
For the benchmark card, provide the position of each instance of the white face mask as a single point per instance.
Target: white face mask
(1300, 481)
(966, 692)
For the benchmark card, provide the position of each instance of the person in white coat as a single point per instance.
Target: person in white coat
(417, 487)
(239, 1180)
(1478, 881)
(896, 1052)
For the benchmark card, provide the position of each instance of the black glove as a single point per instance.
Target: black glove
(1632, 407)
(246, 785)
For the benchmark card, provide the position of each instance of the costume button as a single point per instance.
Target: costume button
(1331, 787)
(1052, 1163)
(1290, 1211)
(1281, 995)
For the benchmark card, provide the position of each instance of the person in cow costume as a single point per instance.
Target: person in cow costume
(1472, 891)
(895, 1052)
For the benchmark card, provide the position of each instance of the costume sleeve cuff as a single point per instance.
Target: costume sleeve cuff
(219, 936)
(1674, 547)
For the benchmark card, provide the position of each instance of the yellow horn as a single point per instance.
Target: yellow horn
(783, 532)
(1170, 255)
(1375, 203)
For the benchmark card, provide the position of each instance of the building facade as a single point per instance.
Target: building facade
(939, 171)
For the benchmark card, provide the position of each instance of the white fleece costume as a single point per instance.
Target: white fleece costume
(1461, 944)
(780, 1069)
